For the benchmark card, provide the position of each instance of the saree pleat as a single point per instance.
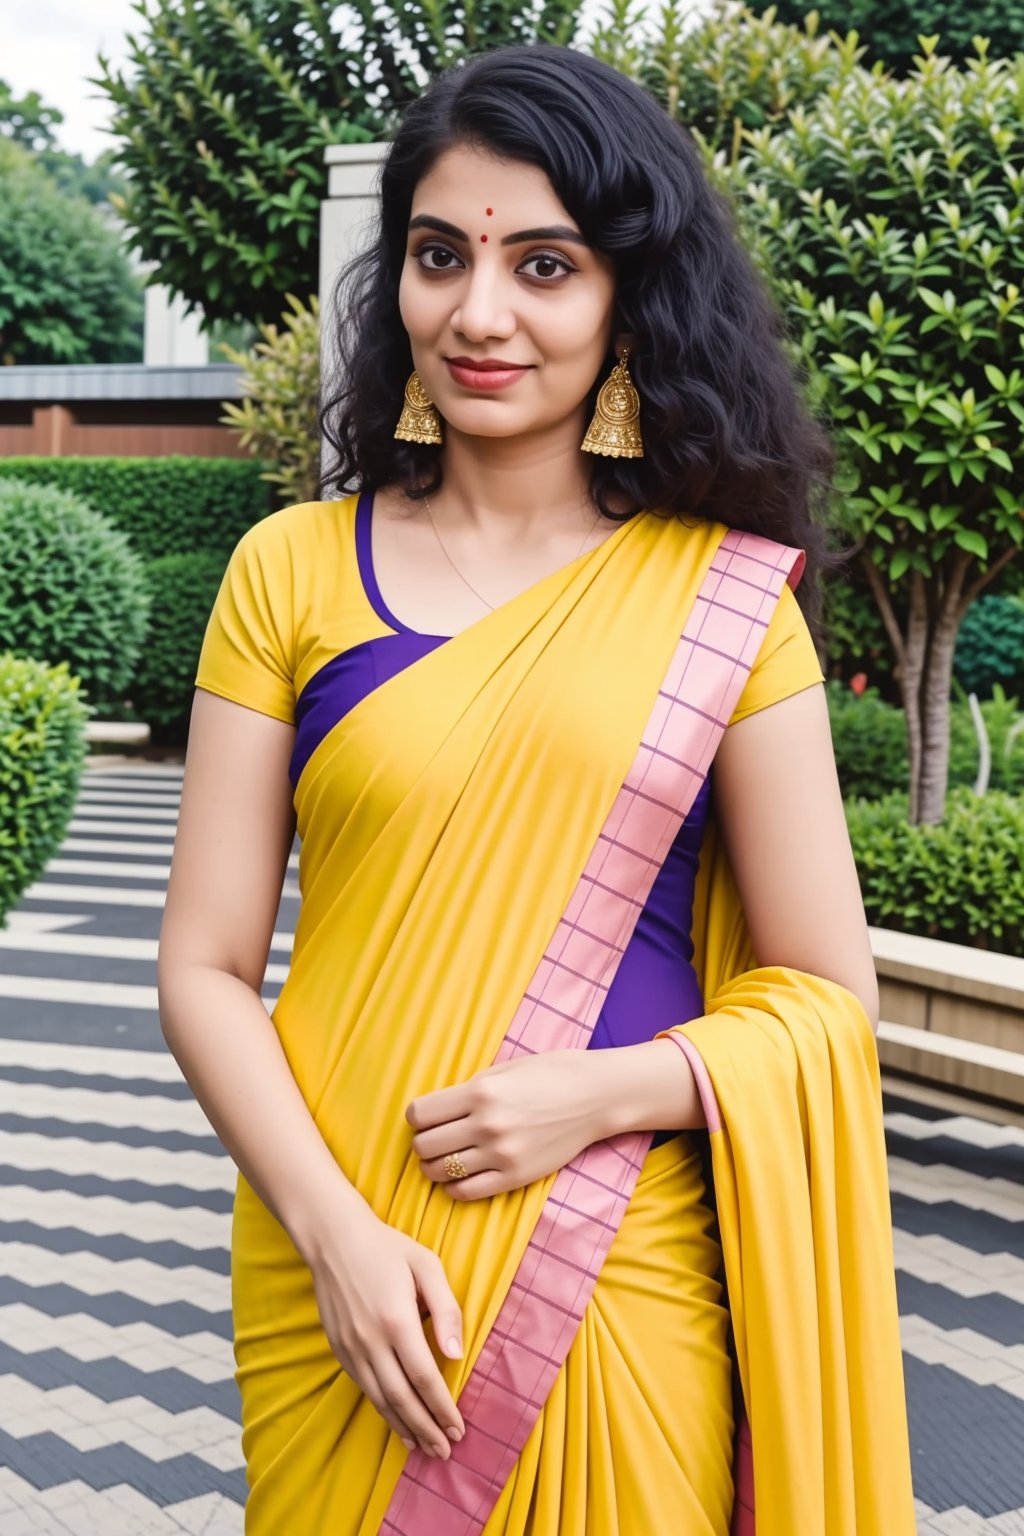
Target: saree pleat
(445, 820)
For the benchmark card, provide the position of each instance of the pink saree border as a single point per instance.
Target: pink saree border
(542, 1311)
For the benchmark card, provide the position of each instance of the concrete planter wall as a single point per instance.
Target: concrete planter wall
(966, 1004)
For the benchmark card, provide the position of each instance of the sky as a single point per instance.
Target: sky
(50, 46)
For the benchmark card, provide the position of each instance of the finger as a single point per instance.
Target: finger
(480, 1186)
(435, 1108)
(367, 1378)
(472, 1159)
(422, 1371)
(433, 1288)
(443, 1138)
(404, 1400)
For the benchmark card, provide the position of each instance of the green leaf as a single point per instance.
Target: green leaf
(972, 542)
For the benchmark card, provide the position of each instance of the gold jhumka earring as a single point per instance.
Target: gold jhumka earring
(419, 421)
(615, 429)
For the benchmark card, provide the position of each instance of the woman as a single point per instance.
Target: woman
(472, 1291)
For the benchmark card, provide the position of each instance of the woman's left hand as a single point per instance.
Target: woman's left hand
(514, 1122)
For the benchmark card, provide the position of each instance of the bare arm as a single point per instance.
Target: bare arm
(235, 830)
(234, 833)
(780, 809)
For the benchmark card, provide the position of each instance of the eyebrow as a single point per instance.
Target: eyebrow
(548, 232)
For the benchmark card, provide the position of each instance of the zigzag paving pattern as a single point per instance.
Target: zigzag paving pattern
(118, 1408)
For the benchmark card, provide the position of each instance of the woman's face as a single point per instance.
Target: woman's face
(495, 269)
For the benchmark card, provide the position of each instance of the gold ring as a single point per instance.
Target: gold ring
(454, 1167)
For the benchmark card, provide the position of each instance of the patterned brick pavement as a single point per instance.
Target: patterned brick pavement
(118, 1410)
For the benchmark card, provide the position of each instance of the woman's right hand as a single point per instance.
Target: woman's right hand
(372, 1282)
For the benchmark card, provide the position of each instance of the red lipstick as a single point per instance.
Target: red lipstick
(484, 373)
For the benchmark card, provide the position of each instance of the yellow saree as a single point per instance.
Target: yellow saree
(445, 823)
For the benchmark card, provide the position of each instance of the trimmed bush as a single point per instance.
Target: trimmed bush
(960, 879)
(42, 750)
(165, 505)
(990, 646)
(71, 587)
(183, 588)
(870, 742)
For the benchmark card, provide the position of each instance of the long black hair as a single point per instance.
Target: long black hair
(726, 434)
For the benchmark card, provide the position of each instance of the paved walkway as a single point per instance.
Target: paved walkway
(118, 1411)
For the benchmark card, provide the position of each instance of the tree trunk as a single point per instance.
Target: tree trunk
(911, 680)
(938, 679)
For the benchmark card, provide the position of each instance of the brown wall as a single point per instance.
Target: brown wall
(135, 429)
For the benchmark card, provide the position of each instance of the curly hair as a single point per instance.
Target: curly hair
(726, 434)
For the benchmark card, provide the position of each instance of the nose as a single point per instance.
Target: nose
(484, 309)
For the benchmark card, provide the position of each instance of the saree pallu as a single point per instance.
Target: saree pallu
(787, 1070)
(445, 822)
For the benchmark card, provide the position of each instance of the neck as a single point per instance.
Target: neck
(516, 487)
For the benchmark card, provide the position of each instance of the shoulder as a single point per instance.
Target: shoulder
(305, 529)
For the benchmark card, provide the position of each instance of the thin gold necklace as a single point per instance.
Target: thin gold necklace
(465, 579)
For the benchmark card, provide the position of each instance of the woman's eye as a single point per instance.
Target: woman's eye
(549, 260)
(435, 250)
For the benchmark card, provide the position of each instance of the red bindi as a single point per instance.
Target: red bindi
(483, 237)
(490, 211)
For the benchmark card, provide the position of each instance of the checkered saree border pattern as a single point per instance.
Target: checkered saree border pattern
(540, 1315)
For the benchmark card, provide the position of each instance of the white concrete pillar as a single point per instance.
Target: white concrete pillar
(172, 338)
(347, 213)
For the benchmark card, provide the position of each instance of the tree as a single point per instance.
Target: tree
(26, 120)
(889, 216)
(29, 123)
(67, 293)
(729, 70)
(892, 28)
(226, 107)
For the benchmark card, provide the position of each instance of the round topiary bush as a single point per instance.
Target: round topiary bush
(183, 589)
(72, 588)
(42, 749)
(960, 879)
(990, 646)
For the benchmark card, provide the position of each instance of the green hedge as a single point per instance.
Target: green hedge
(166, 505)
(869, 737)
(183, 589)
(42, 750)
(72, 587)
(961, 880)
